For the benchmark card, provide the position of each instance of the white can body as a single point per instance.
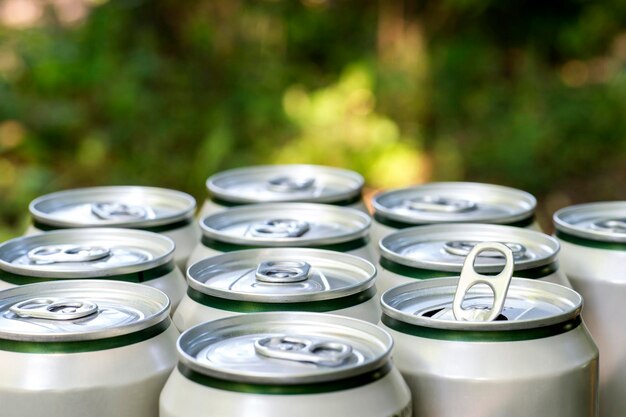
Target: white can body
(124, 381)
(387, 397)
(191, 313)
(211, 207)
(554, 376)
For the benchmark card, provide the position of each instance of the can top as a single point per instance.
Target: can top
(603, 221)
(528, 304)
(122, 206)
(63, 311)
(85, 253)
(285, 183)
(280, 275)
(286, 224)
(284, 349)
(447, 202)
(444, 247)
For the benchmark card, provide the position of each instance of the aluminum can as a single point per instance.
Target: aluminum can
(593, 241)
(279, 279)
(492, 345)
(158, 210)
(318, 226)
(451, 202)
(283, 184)
(440, 250)
(97, 253)
(297, 364)
(80, 348)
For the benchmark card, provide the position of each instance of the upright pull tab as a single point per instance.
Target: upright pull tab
(288, 184)
(439, 204)
(463, 248)
(282, 272)
(499, 284)
(279, 228)
(112, 210)
(54, 308)
(66, 253)
(301, 349)
(610, 225)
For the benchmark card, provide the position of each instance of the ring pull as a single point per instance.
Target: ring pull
(112, 210)
(439, 204)
(302, 349)
(49, 254)
(288, 184)
(463, 248)
(282, 272)
(277, 228)
(610, 225)
(54, 308)
(499, 284)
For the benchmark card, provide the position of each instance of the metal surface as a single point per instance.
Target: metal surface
(605, 221)
(304, 349)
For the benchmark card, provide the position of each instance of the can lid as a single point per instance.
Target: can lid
(85, 253)
(284, 349)
(63, 311)
(603, 221)
(286, 224)
(444, 247)
(445, 202)
(122, 206)
(285, 183)
(529, 304)
(282, 275)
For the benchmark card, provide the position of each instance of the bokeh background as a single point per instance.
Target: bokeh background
(530, 94)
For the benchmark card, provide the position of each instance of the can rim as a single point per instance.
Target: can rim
(461, 230)
(332, 322)
(185, 202)
(562, 225)
(214, 188)
(513, 193)
(304, 254)
(138, 236)
(37, 289)
(362, 221)
(448, 285)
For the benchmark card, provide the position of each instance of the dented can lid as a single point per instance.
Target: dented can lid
(285, 183)
(81, 310)
(85, 253)
(603, 221)
(280, 275)
(444, 247)
(118, 206)
(284, 349)
(458, 202)
(286, 224)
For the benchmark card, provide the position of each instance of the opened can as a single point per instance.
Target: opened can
(294, 364)
(303, 225)
(279, 279)
(158, 210)
(84, 348)
(283, 184)
(112, 254)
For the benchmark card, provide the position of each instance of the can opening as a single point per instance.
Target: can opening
(463, 248)
(280, 272)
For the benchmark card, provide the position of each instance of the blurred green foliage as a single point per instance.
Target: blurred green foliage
(167, 92)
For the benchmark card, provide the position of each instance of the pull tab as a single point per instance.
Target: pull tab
(301, 349)
(112, 210)
(66, 253)
(610, 225)
(280, 272)
(463, 248)
(439, 204)
(54, 308)
(279, 228)
(499, 284)
(290, 184)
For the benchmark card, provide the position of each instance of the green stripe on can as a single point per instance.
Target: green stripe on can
(597, 244)
(299, 389)
(231, 247)
(155, 229)
(258, 307)
(137, 277)
(343, 202)
(421, 273)
(81, 346)
(481, 336)
(402, 225)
